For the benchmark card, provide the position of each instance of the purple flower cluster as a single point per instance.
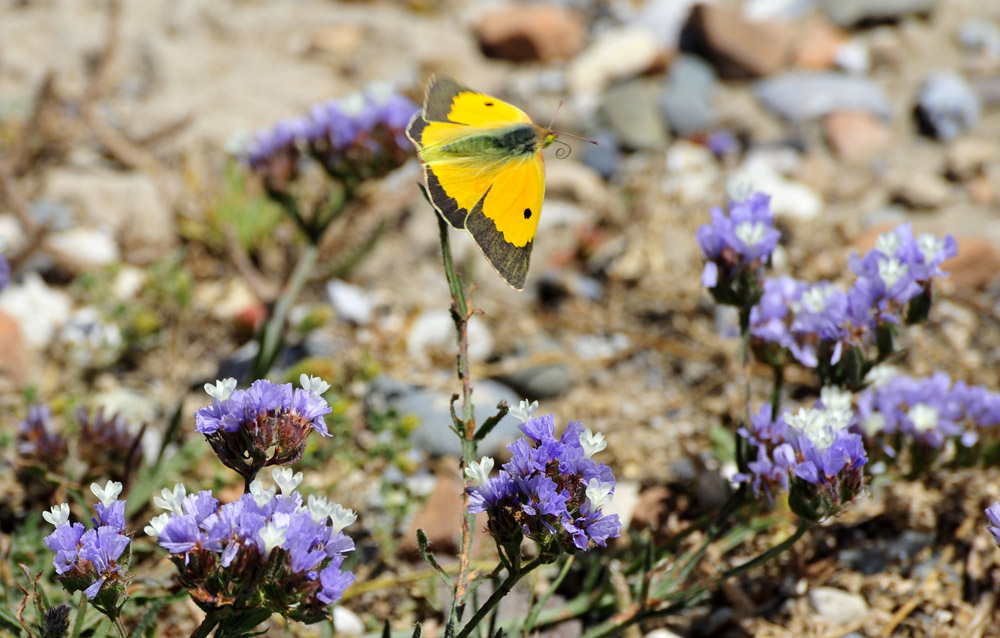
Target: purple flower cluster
(551, 490)
(736, 246)
(91, 560)
(264, 551)
(244, 426)
(810, 453)
(4, 272)
(928, 411)
(37, 441)
(816, 324)
(354, 138)
(108, 445)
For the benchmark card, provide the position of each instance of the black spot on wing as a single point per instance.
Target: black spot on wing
(509, 260)
(527, 213)
(440, 96)
(445, 204)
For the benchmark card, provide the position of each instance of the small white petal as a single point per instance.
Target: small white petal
(341, 517)
(599, 494)
(260, 495)
(751, 233)
(156, 524)
(592, 443)
(924, 417)
(479, 471)
(172, 500)
(286, 481)
(273, 535)
(888, 243)
(222, 389)
(525, 411)
(57, 514)
(313, 384)
(319, 507)
(836, 398)
(108, 494)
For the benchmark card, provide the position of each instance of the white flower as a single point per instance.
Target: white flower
(525, 411)
(740, 190)
(108, 494)
(930, 245)
(835, 398)
(286, 480)
(888, 243)
(924, 417)
(479, 471)
(341, 517)
(222, 389)
(592, 443)
(751, 233)
(313, 384)
(319, 507)
(172, 501)
(156, 524)
(839, 419)
(599, 494)
(880, 375)
(57, 515)
(813, 424)
(273, 536)
(874, 424)
(261, 496)
(814, 298)
(891, 271)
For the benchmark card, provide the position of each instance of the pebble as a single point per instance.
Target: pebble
(82, 249)
(38, 309)
(435, 330)
(624, 502)
(848, 13)
(665, 20)
(947, 105)
(661, 633)
(541, 382)
(351, 302)
(532, 32)
(976, 265)
(431, 408)
(687, 98)
(788, 198)
(13, 363)
(127, 204)
(89, 340)
(979, 34)
(630, 110)
(346, 622)
(853, 57)
(736, 46)
(803, 95)
(440, 518)
(617, 53)
(816, 49)
(836, 606)
(778, 9)
(922, 191)
(971, 157)
(855, 135)
(605, 156)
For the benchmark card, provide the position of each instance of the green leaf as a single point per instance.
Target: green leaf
(722, 444)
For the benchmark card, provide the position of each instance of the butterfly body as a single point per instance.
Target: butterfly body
(484, 170)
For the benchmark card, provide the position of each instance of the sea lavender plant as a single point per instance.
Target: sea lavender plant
(266, 424)
(736, 248)
(37, 441)
(265, 553)
(108, 445)
(94, 560)
(551, 491)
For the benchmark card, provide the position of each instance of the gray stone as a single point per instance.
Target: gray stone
(836, 606)
(847, 13)
(947, 105)
(434, 435)
(687, 98)
(541, 382)
(606, 155)
(802, 95)
(351, 302)
(979, 34)
(630, 110)
(665, 20)
(778, 9)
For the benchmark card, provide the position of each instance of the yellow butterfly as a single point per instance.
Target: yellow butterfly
(484, 170)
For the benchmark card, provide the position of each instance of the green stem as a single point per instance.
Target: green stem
(779, 382)
(498, 595)
(206, 626)
(274, 330)
(529, 622)
(120, 626)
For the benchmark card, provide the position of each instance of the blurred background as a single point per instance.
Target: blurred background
(144, 255)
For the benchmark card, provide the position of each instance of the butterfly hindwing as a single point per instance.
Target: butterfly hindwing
(505, 221)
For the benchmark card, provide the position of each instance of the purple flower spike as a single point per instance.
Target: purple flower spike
(266, 424)
(993, 513)
(551, 490)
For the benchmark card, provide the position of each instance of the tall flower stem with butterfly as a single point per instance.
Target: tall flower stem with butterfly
(354, 139)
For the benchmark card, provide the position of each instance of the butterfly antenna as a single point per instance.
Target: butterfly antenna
(563, 151)
(554, 115)
(558, 133)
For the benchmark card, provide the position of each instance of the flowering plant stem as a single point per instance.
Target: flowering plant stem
(466, 426)
(516, 573)
(272, 335)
